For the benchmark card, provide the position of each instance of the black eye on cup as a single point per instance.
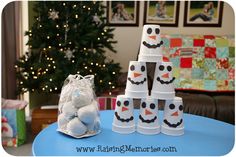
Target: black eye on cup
(157, 30)
(161, 67)
(126, 103)
(181, 107)
(169, 68)
(142, 68)
(152, 106)
(132, 67)
(149, 31)
(118, 103)
(143, 105)
(171, 106)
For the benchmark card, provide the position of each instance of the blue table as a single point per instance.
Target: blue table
(203, 136)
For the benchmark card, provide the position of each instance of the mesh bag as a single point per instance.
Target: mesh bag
(78, 110)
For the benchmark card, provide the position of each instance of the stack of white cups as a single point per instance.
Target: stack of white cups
(162, 89)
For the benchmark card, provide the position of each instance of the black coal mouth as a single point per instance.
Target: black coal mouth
(152, 46)
(147, 120)
(173, 125)
(165, 82)
(137, 82)
(122, 119)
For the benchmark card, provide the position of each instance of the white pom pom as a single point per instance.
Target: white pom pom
(62, 122)
(76, 128)
(88, 114)
(82, 97)
(69, 110)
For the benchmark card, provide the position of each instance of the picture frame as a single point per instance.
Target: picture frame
(203, 13)
(163, 13)
(123, 13)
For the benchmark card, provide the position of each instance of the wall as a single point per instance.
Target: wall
(129, 37)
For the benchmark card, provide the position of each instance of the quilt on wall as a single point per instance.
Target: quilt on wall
(201, 62)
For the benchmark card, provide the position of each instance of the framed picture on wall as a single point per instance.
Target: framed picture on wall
(164, 13)
(123, 13)
(203, 13)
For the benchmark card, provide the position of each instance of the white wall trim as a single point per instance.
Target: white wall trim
(24, 39)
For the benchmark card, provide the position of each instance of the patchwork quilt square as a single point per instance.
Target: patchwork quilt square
(176, 72)
(222, 52)
(222, 74)
(196, 84)
(209, 63)
(231, 84)
(231, 52)
(199, 52)
(210, 52)
(186, 62)
(210, 84)
(222, 63)
(187, 42)
(185, 83)
(231, 73)
(210, 43)
(186, 73)
(198, 62)
(222, 84)
(174, 52)
(175, 42)
(210, 74)
(209, 36)
(231, 63)
(176, 83)
(199, 42)
(175, 61)
(197, 73)
(166, 42)
(222, 42)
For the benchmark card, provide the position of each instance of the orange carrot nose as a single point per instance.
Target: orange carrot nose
(124, 109)
(152, 37)
(175, 114)
(137, 74)
(147, 112)
(166, 75)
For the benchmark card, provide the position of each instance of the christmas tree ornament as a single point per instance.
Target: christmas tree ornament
(163, 86)
(97, 20)
(123, 121)
(136, 86)
(150, 47)
(53, 14)
(69, 54)
(173, 117)
(148, 122)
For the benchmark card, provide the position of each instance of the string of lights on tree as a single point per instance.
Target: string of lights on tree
(67, 38)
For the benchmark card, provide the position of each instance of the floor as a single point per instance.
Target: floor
(25, 149)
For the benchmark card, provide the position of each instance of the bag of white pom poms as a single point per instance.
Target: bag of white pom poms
(78, 110)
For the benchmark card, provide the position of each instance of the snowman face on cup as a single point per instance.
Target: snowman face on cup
(151, 37)
(124, 107)
(165, 73)
(174, 117)
(137, 73)
(149, 109)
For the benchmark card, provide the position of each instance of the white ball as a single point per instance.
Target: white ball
(69, 110)
(76, 128)
(88, 114)
(62, 122)
(82, 97)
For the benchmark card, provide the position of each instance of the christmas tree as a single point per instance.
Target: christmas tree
(67, 38)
